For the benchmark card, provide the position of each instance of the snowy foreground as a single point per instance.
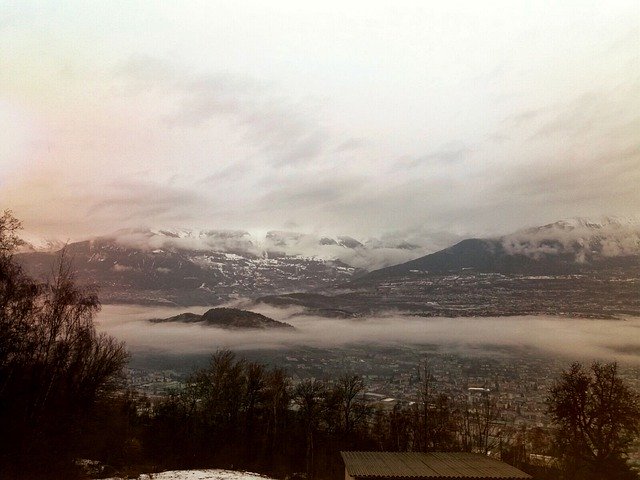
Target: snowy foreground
(215, 474)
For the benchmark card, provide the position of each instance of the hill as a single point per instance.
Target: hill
(229, 318)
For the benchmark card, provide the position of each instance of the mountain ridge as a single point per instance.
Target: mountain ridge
(148, 267)
(563, 247)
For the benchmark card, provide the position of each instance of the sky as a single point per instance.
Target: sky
(353, 118)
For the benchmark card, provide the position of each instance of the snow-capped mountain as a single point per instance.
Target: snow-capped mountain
(187, 266)
(582, 238)
(162, 272)
(35, 243)
(564, 246)
(369, 254)
(210, 266)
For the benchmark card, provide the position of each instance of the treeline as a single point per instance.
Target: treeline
(239, 414)
(243, 415)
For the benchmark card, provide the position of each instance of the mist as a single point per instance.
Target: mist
(605, 340)
(372, 253)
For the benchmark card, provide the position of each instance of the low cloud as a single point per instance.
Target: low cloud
(606, 340)
(372, 253)
(582, 238)
(180, 239)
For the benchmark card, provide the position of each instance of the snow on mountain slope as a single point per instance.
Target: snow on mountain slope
(562, 247)
(372, 253)
(583, 238)
(35, 243)
(388, 249)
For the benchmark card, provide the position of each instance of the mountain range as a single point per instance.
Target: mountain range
(209, 267)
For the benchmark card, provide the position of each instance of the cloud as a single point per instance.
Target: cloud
(126, 203)
(453, 153)
(375, 253)
(131, 200)
(583, 239)
(296, 192)
(226, 174)
(287, 133)
(568, 338)
(341, 121)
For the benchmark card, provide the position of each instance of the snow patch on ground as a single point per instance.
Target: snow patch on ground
(215, 474)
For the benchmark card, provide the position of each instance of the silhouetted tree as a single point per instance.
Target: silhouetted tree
(597, 417)
(53, 364)
(478, 430)
(349, 389)
(309, 396)
(277, 396)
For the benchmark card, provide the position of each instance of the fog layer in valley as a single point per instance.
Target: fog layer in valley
(605, 340)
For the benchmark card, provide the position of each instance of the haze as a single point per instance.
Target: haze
(574, 338)
(363, 119)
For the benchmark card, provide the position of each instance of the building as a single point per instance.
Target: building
(475, 394)
(427, 466)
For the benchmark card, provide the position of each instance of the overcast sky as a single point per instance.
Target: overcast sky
(371, 117)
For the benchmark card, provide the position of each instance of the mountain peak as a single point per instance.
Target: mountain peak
(591, 223)
(585, 239)
(563, 246)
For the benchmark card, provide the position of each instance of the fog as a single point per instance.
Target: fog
(605, 340)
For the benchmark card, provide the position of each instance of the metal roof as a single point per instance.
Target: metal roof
(454, 465)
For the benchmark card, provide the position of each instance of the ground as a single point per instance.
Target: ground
(215, 474)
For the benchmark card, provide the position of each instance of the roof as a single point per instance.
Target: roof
(454, 465)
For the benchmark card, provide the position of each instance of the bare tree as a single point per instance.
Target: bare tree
(277, 401)
(597, 417)
(479, 431)
(349, 389)
(309, 397)
(53, 363)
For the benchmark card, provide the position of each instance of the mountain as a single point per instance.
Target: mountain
(581, 240)
(34, 243)
(160, 268)
(580, 268)
(565, 247)
(572, 266)
(207, 267)
(229, 318)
